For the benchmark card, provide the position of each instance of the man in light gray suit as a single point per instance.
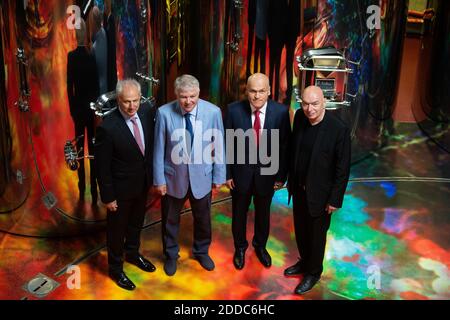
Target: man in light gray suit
(188, 161)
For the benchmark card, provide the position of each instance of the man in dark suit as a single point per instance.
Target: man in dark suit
(318, 177)
(82, 88)
(267, 126)
(124, 151)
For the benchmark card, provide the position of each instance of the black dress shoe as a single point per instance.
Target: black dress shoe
(307, 284)
(206, 262)
(170, 267)
(142, 263)
(295, 270)
(264, 257)
(122, 280)
(239, 258)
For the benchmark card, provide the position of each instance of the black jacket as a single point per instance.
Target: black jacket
(329, 166)
(123, 172)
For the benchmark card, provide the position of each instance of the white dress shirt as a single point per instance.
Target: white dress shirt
(130, 125)
(262, 115)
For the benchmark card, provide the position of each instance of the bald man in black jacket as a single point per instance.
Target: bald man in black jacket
(318, 177)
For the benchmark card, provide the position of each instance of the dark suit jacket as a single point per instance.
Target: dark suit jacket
(82, 83)
(123, 172)
(238, 116)
(329, 166)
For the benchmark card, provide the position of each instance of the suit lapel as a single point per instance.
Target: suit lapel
(299, 136)
(176, 116)
(145, 127)
(201, 115)
(247, 117)
(177, 122)
(121, 123)
(202, 120)
(144, 123)
(268, 120)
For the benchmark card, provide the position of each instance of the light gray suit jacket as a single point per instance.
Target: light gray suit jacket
(204, 166)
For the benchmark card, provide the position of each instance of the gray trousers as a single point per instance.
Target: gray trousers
(201, 212)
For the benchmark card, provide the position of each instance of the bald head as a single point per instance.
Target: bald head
(313, 90)
(313, 104)
(258, 77)
(258, 90)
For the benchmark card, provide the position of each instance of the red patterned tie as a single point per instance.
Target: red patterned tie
(137, 134)
(257, 126)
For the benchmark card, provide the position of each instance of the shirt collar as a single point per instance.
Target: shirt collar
(193, 112)
(262, 110)
(126, 117)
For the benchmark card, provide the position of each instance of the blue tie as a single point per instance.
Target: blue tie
(190, 136)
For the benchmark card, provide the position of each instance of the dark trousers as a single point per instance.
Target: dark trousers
(310, 234)
(240, 205)
(201, 212)
(124, 230)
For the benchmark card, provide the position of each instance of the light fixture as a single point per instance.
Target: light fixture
(328, 69)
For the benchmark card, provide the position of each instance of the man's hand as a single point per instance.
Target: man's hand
(217, 185)
(230, 184)
(278, 185)
(161, 190)
(112, 206)
(330, 209)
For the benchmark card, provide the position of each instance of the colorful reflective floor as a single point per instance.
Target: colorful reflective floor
(390, 241)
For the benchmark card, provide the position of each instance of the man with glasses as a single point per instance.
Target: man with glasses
(267, 130)
(318, 176)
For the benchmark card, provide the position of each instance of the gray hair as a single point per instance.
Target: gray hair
(125, 83)
(186, 81)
